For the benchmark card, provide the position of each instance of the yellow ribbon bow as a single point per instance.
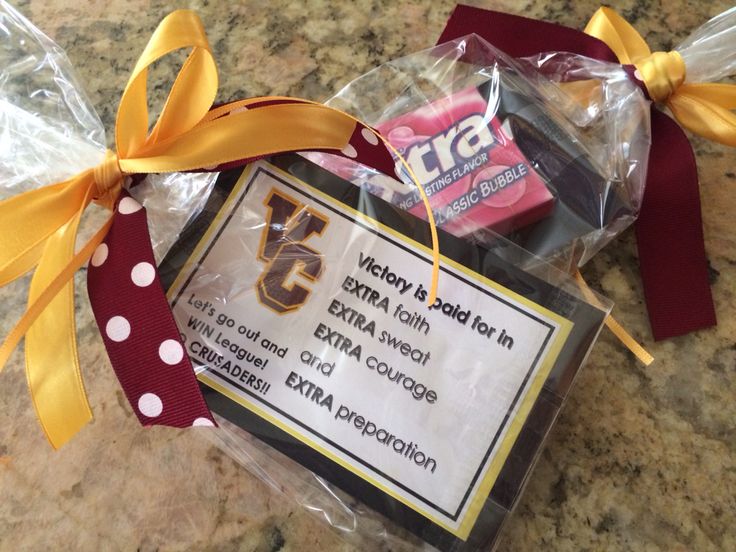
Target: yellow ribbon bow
(38, 228)
(702, 108)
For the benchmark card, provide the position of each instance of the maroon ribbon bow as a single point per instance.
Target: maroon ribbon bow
(669, 230)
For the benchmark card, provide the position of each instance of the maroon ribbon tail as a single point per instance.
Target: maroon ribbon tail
(669, 236)
(520, 36)
(669, 230)
(137, 327)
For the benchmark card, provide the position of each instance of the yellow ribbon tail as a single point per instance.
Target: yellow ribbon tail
(35, 308)
(616, 329)
(52, 366)
(629, 342)
(29, 219)
(723, 95)
(705, 110)
(434, 282)
(247, 134)
(618, 34)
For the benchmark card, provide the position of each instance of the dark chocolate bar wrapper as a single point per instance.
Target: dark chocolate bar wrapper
(585, 201)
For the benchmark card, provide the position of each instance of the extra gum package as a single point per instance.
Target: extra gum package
(472, 170)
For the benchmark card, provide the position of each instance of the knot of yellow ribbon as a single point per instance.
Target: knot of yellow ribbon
(108, 179)
(702, 108)
(662, 73)
(38, 228)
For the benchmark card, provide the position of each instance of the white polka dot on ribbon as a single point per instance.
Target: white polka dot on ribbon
(100, 255)
(150, 405)
(349, 151)
(143, 274)
(117, 329)
(128, 205)
(171, 352)
(369, 136)
(202, 422)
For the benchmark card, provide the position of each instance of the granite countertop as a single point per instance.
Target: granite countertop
(640, 459)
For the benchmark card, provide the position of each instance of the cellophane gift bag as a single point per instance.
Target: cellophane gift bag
(301, 283)
(301, 291)
(49, 131)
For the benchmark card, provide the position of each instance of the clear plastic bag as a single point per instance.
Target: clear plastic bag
(556, 155)
(50, 131)
(708, 52)
(578, 126)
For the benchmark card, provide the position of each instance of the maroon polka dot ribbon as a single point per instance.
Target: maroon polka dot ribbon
(137, 326)
(134, 316)
(364, 146)
(39, 232)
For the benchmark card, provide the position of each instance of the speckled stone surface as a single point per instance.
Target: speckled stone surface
(640, 459)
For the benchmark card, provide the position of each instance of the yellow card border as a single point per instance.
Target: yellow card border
(514, 426)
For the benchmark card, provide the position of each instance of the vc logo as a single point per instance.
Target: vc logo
(288, 225)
